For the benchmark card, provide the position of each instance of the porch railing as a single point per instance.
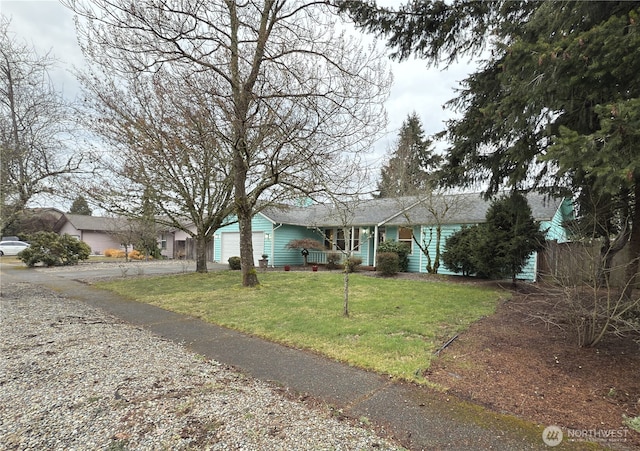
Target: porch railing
(320, 257)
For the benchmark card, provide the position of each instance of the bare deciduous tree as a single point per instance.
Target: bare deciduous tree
(292, 91)
(577, 297)
(37, 146)
(166, 165)
(342, 209)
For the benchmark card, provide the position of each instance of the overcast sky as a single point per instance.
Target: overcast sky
(49, 27)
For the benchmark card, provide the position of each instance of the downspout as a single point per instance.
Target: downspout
(273, 241)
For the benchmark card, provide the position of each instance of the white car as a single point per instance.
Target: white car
(12, 247)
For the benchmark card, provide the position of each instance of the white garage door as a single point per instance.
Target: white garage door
(230, 246)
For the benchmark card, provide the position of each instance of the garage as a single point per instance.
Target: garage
(230, 246)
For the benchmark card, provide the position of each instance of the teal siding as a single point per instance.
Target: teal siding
(367, 237)
(430, 231)
(282, 235)
(555, 228)
(415, 257)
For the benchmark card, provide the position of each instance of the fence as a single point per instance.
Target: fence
(577, 263)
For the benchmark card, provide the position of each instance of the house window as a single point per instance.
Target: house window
(340, 243)
(334, 239)
(356, 238)
(405, 235)
(163, 241)
(328, 239)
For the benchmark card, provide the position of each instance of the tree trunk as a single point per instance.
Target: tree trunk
(634, 247)
(436, 260)
(201, 254)
(345, 310)
(249, 273)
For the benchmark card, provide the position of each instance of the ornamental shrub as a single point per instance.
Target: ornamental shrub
(333, 260)
(388, 263)
(235, 263)
(136, 255)
(352, 263)
(402, 249)
(51, 249)
(461, 249)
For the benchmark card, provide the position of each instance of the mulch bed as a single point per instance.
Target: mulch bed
(512, 363)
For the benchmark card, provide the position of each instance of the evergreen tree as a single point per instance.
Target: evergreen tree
(411, 165)
(80, 207)
(509, 236)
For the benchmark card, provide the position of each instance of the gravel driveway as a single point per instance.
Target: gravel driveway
(73, 377)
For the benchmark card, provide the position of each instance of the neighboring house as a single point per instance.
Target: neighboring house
(178, 244)
(376, 220)
(100, 233)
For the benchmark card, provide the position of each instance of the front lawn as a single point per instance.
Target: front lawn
(394, 325)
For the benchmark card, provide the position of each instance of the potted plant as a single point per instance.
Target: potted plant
(264, 261)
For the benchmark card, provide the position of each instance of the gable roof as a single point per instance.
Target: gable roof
(468, 208)
(94, 223)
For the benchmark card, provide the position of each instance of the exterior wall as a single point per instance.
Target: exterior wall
(555, 228)
(68, 228)
(281, 235)
(96, 240)
(258, 224)
(367, 237)
(100, 241)
(169, 250)
(430, 231)
(415, 257)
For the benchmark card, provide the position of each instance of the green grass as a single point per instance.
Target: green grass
(393, 328)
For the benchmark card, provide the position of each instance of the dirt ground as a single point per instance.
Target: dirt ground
(511, 363)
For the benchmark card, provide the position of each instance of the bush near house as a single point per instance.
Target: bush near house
(401, 249)
(352, 263)
(137, 255)
(52, 249)
(333, 260)
(388, 263)
(235, 263)
(114, 253)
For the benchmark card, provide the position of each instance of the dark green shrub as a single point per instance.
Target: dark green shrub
(352, 263)
(333, 260)
(402, 249)
(51, 249)
(510, 236)
(73, 250)
(388, 263)
(460, 250)
(235, 263)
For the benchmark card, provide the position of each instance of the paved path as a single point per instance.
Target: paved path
(414, 415)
